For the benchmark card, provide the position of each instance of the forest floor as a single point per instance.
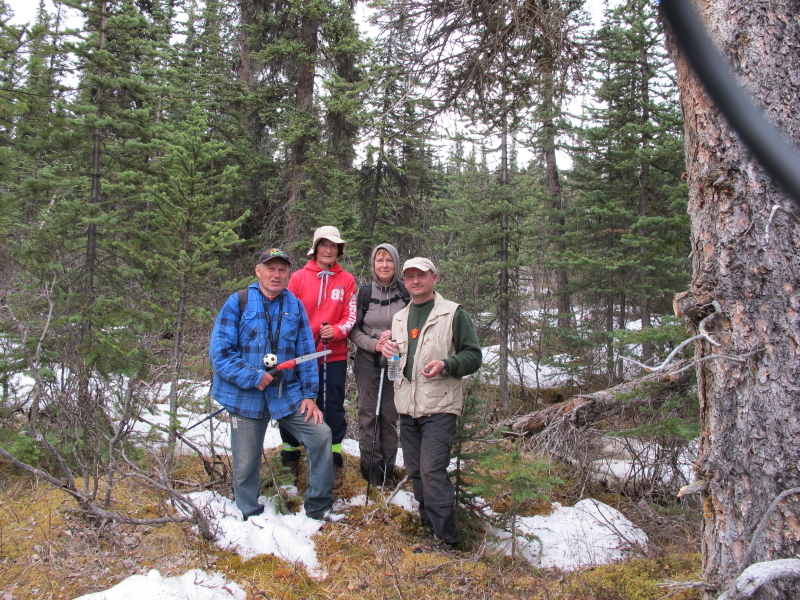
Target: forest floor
(48, 551)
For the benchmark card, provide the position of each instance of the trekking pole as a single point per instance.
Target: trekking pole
(325, 377)
(203, 420)
(374, 435)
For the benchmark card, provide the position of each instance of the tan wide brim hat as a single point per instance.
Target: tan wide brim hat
(327, 232)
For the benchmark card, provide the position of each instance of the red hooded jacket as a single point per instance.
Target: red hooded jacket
(327, 296)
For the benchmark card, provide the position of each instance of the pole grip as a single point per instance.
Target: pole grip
(324, 340)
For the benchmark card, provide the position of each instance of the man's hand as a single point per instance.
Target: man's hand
(326, 332)
(265, 381)
(309, 408)
(433, 368)
(383, 339)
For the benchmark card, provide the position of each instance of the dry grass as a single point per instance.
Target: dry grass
(48, 552)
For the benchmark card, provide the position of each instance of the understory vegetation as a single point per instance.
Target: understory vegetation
(51, 552)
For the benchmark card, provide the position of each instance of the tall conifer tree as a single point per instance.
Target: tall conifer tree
(629, 231)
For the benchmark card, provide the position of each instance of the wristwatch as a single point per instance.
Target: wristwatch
(446, 368)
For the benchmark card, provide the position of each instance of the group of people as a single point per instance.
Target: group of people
(316, 310)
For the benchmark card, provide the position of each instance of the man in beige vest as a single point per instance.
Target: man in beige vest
(438, 346)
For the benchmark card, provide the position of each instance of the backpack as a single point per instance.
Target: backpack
(365, 299)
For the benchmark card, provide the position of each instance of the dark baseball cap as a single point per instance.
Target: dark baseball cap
(270, 253)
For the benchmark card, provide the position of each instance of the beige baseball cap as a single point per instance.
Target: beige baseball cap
(327, 232)
(423, 264)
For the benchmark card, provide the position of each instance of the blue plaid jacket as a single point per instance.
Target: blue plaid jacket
(238, 345)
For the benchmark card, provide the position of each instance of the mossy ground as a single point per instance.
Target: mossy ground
(47, 551)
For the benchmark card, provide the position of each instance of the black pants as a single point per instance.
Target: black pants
(427, 442)
(334, 409)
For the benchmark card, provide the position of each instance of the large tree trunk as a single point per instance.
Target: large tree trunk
(745, 277)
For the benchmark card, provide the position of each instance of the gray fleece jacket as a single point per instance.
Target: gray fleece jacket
(378, 318)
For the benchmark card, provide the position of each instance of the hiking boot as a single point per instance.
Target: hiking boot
(338, 477)
(454, 545)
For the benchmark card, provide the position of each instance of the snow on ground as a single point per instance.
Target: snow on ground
(192, 585)
(285, 536)
(589, 533)
(569, 538)
(548, 375)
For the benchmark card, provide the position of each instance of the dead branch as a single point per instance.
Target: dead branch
(209, 468)
(586, 409)
(387, 499)
(197, 516)
(758, 574)
(89, 507)
(762, 525)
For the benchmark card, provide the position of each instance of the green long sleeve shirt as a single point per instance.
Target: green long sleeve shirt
(468, 356)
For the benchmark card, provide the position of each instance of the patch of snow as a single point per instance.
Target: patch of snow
(192, 585)
(351, 447)
(634, 325)
(589, 533)
(524, 372)
(285, 536)
(405, 500)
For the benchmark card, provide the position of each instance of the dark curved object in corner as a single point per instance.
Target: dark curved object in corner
(780, 159)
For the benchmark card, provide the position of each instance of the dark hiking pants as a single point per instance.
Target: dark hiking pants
(427, 442)
(334, 411)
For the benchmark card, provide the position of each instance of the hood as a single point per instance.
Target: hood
(395, 257)
(314, 267)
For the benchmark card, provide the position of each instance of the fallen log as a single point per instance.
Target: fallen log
(586, 409)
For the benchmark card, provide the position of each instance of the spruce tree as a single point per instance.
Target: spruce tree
(183, 234)
(628, 240)
(76, 290)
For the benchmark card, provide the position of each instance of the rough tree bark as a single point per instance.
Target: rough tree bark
(745, 276)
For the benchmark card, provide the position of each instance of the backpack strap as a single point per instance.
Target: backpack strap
(365, 299)
(404, 295)
(364, 293)
(242, 300)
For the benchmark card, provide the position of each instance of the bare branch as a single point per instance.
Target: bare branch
(669, 358)
(762, 525)
(755, 576)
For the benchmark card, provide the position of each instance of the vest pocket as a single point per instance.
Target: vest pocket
(434, 397)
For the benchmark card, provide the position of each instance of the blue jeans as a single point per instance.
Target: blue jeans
(247, 444)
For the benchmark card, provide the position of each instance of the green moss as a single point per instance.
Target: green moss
(635, 579)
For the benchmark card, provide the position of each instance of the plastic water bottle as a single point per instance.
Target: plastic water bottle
(393, 370)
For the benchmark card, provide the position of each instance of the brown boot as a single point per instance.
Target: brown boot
(338, 477)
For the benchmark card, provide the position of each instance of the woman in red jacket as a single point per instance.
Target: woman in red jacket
(328, 294)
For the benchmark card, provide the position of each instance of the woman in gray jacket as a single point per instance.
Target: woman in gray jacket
(377, 303)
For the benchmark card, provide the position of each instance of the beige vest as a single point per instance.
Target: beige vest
(422, 396)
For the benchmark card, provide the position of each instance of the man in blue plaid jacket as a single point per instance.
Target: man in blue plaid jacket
(273, 321)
